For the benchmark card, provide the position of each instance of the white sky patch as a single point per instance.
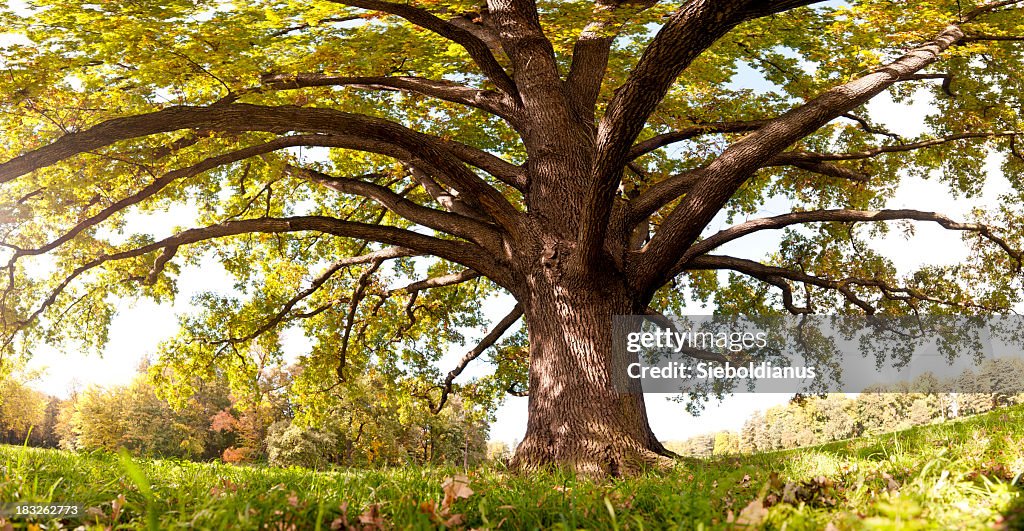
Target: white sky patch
(135, 333)
(159, 224)
(931, 244)
(10, 39)
(905, 118)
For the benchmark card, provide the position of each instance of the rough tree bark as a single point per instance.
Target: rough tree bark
(584, 411)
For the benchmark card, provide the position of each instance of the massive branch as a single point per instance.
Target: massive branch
(387, 136)
(652, 266)
(591, 51)
(688, 33)
(535, 68)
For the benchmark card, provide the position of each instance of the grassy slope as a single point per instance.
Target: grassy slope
(954, 475)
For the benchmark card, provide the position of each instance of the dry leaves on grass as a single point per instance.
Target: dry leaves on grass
(454, 488)
(116, 507)
(369, 520)
(819, 491)
(226, 486)
(751, 515)
(341, 522)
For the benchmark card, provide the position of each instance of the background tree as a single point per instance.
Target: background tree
(702, 445)
(811, 420)
(324, 145)
(834, 418)
(24, 412)
(751, 433)
(726, 443)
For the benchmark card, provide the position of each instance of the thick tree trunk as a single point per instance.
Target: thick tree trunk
(583, 414)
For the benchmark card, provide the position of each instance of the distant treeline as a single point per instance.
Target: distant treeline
(811, 420)
(214, 423)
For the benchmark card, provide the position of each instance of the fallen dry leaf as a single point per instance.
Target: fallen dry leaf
(428, 509)
(454, 487)
(341, 522)
(456, 520)
(457, 486)
(750, 516)
(372, 517)
(115, 508)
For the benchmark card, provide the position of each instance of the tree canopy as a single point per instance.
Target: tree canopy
(369, 172)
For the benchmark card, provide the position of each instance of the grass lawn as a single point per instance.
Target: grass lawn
(957, 475)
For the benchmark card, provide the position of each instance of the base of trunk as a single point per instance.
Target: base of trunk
(596, 434)
(592, 458)
(586, 414)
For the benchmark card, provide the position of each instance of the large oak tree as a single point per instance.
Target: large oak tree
(571, 154)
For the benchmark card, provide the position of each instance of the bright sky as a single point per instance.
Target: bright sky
(140, 326)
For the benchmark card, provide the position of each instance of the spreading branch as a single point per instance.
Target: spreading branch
(490, 339)
(845, 216)
(375, 134)
(350, 317)
(689, 31)
(659, 141)
(663, 192)
(475, 46)
(451, 223)
(947, 80)
(445, 198)
(664, 322)
(869, 128)
(777, 276)
(159, 184)
(723, 176)
(305, 25)
(895, 148)
(451, 279)
(318, 282)
(822, 168)
(490, 101)
(988, 7)
(458, 252)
